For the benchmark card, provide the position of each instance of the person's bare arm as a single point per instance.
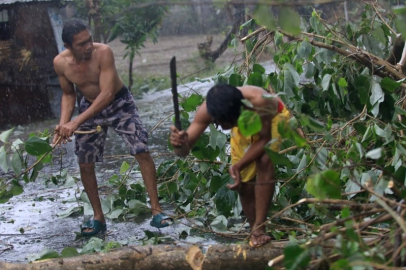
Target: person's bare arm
(68, 98)
(183, 141)
(107, 80)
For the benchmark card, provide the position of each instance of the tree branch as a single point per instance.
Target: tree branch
(359, 55)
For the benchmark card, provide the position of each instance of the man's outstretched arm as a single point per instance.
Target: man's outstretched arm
(183, 141)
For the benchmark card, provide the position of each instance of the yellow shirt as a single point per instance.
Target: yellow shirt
(240, 144)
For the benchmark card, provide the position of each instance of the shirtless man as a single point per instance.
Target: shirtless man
(106, 102)
(251, 169)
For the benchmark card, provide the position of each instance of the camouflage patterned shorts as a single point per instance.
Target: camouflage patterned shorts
(122, 116)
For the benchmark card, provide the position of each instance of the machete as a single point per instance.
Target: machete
(175, 93)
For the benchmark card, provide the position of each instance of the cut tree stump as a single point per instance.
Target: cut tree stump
(181, 257)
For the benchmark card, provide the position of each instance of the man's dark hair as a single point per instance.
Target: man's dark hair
(72, 28)
(224, 103)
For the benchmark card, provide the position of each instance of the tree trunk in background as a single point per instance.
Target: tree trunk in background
(97, 21)
(94, 13)
(168, 257)
(205, 47)
(346, 10)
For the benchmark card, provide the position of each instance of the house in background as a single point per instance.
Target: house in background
(30, 38)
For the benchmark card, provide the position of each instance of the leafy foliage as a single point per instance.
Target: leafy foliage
(343, 145)
(17, 156)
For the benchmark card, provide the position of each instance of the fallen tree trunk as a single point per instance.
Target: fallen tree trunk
(163, 257)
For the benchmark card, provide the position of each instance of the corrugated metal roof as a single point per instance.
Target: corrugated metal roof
(8, 2)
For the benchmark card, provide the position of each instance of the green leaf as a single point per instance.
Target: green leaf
(213, 136)
(3, 159)
(94, 245)
(374, 154)
(345, 213)
(305, 49)
(276, 158)
(258, 69)
(172, 187)
(201, 149)
(5, 196)
(360, 128)
(309, 70)
(295, 257)
(217, 182)
(326, 82)
(219, 224)
(264, 17)
(236, 80)
(34, 175)
(287, 132)
(390, 85)
(351, 187)
(303, 163)
(16, 163)
(342, 82)
(312, 123)
(73, 210)
(324, 185)
(379, 35)
(191, 181)
(115, 213)
(290, 79)
(69, 252)
(47, 254)
(249, 123)
(377, 97)
(278, 39)
(4, 135)
(340, 265)
(368, 134)
(293, 72)
(192, 102)
(37, 147)
(289, 20)
(225, 198)
(16, 190)
(124, 167)
(137, 207)
(400, 20)
(325, 56)
(255, 79)
(246, 24)
(217, 138)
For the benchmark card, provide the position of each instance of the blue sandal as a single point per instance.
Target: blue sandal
(95, 225)
(158, 218)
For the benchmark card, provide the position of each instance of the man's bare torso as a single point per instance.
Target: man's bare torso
(86, 74)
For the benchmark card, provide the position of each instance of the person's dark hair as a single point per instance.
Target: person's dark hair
(224, 103)
(72, 28)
